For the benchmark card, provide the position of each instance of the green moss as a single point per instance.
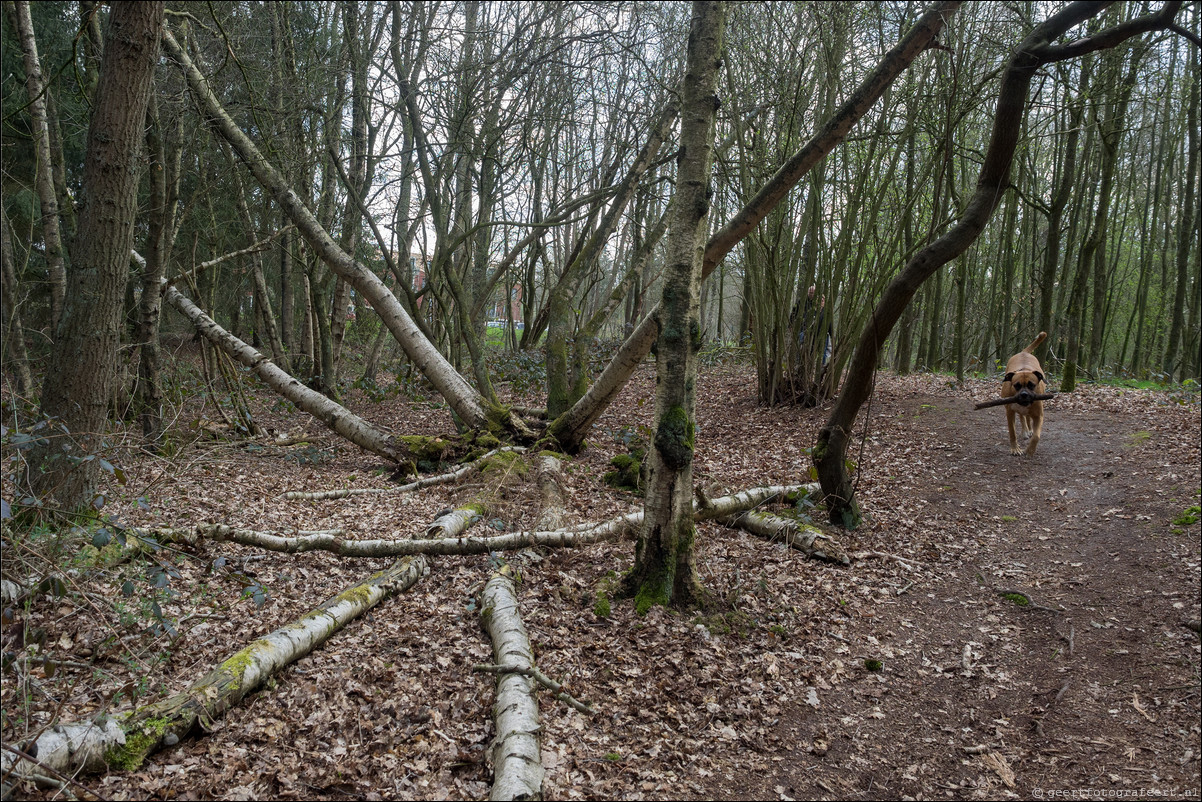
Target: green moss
(674, 438)
(139, 742)
(715, 624)
(1017, 598)
(734, 622)
(820, 448)
(112, 554)
(487, 441)
(655, 590)
(359, 594)
(423, 448)
(1189, 516)
(601, 607)
(626, 475)
(505, 463)
(873, 665)
(237, 664)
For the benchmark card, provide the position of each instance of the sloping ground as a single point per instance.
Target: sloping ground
(767, 696)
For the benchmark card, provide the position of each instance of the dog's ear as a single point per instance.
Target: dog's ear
(1008, 377)
(1041, 378)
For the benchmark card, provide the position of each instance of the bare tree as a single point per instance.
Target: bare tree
(665, 569)
(1035, 51)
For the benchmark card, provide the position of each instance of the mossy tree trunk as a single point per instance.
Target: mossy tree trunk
(665, 570)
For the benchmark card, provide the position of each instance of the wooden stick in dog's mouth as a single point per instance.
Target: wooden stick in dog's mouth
(997, 402)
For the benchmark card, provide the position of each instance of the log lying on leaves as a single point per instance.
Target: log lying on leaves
(425, 481)
(335, 416)
(550, 491)
(453, 523)
(336, 541)
(997, 402)
(124, 741)
(516, 750)
(809, 540)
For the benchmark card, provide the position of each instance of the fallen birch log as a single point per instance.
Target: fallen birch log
(337, 542)
(336, 417)
(453, 523)
(795, 535)
(550, 491)
(516, 750)
(124, 741)
(426, 481)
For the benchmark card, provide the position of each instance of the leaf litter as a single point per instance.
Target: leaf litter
(904, 675)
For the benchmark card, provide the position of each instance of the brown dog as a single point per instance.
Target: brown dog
(1024, 379)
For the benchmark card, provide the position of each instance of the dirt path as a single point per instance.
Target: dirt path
(979, 697)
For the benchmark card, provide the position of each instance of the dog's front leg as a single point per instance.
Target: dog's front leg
(1036, 429)
(1014, 449)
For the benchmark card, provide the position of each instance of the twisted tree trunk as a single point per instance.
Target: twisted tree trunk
(1036, 50)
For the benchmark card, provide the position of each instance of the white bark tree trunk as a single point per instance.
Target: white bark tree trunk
(124, 741)
(335, 416)
(341, 542)
(516, 749)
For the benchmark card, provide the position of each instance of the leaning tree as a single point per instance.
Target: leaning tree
(1037, 50)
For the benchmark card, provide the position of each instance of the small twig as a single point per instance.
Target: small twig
(908, 585)
(1030, 603)
(1059, 695)
(997, 402)
(542, 679)
(880, 555)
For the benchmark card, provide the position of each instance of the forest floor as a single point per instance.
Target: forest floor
(1091, 690)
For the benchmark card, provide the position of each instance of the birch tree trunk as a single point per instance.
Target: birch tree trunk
(516, 750)
(464, 400)
(335, 416)
(665, 565)
(36, 90)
